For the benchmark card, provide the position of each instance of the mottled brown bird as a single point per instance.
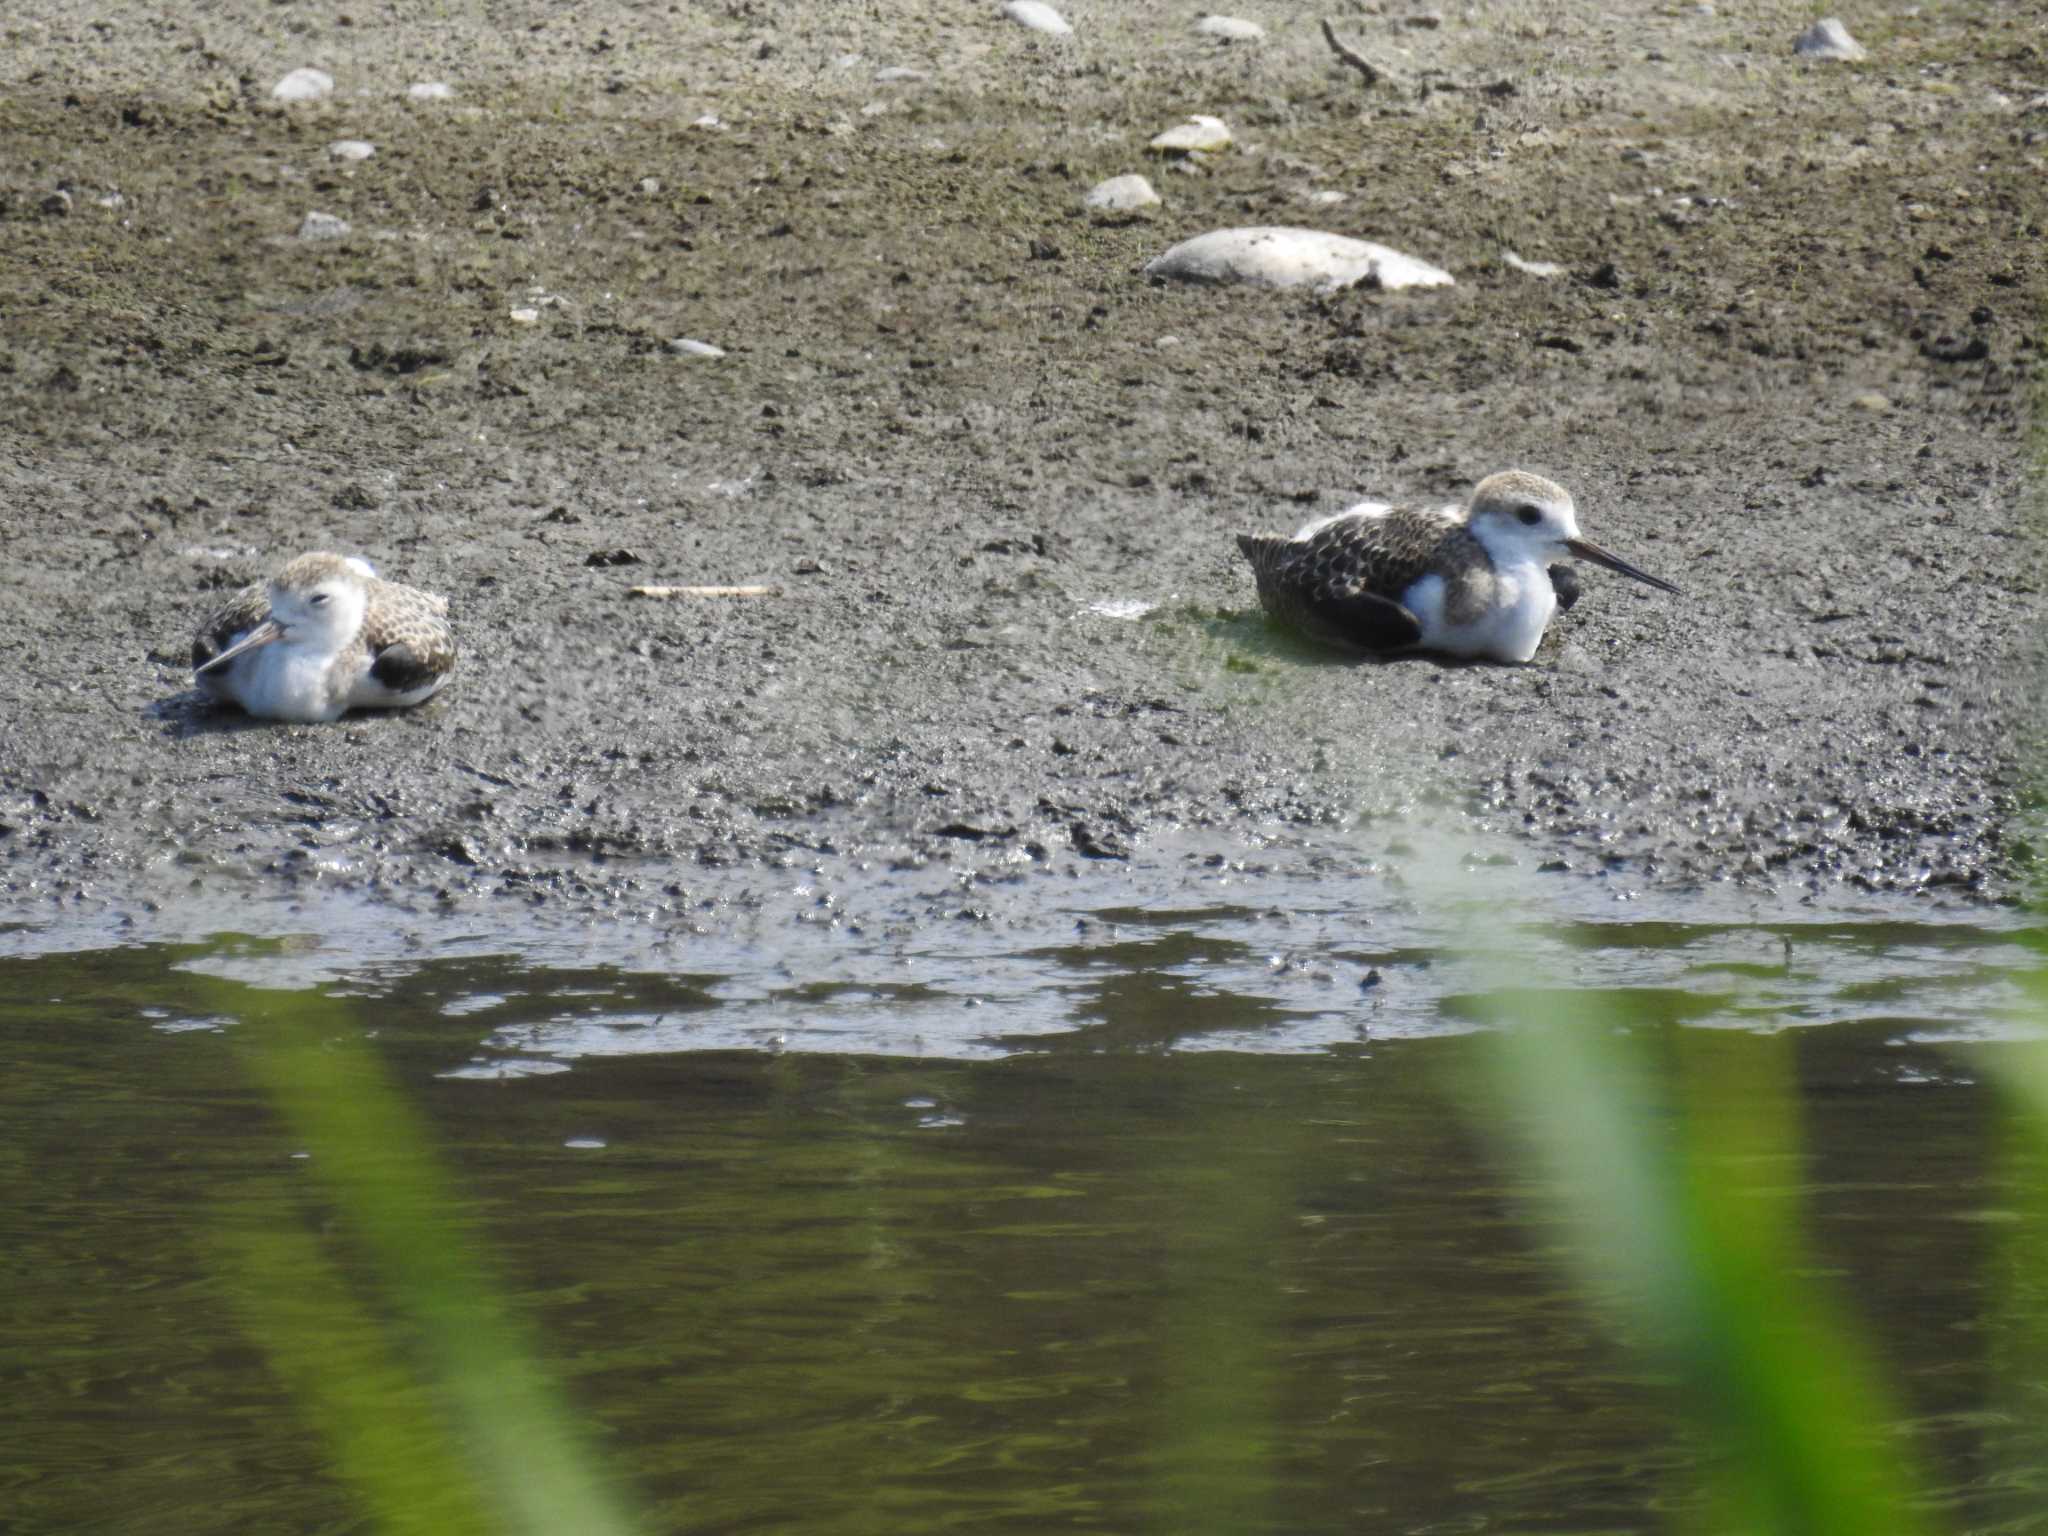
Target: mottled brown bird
(324, 636)
(1464, 581)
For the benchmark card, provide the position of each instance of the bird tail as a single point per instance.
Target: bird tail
(1262, 549)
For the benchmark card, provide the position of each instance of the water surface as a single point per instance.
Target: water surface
(1177, 1224)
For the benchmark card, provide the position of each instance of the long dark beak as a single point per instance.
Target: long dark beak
(1599, 556)
(262, 634)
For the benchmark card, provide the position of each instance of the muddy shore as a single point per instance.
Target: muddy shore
(991, 473)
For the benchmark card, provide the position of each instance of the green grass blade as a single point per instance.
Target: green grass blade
(372, 1157)
(1674, 1229)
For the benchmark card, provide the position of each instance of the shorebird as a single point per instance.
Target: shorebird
(324, 636)
(1463, 581)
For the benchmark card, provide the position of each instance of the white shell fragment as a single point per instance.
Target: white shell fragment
(1038, 16)
(429, 90)
(1122, 194)
(1199, 135)
(1276, 257)
(1827, 39)
(351, 149)
(304, 85)
(1532, 268)
(323, 226)
(689, 346)
(1232, 29)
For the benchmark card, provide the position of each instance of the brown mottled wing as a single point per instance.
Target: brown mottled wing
(406, 632)
(1345, 580)
(229, 622)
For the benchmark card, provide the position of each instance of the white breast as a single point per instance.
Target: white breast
(284, 682)
(1510, 630)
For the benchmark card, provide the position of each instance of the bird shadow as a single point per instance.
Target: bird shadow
(1252, 640)
(197, 713)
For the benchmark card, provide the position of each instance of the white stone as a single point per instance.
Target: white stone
(429, 90)
(1232, 29)
(689, 346)
(1121, 194)
(525, 314)
(323, 226)
(1827, 39)
(1038, 16)
(1199, 135)
(900, 74)
(304, 85)
(1326, 198)
(351, 149)
(1124, 608)
(1532, 268)
(708, 121)
(1278, 257)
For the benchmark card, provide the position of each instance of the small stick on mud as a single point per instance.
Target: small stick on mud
(1350, 56)
(703, 591)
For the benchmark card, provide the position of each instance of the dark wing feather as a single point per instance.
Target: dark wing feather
(1564, 581)
(1345, 581)
(408, 636)
(229, 622)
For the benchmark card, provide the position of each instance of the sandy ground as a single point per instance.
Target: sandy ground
(1787, 365)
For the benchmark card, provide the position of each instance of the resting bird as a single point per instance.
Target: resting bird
(1462, 581)
(325, 636)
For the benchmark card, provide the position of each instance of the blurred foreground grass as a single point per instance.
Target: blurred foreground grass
(1666, 1168)
(430, 1395)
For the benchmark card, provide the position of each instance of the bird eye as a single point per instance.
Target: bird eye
(1530, 516)
(319, 599)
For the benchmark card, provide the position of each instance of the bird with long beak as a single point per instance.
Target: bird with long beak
(1471, 581)
(322, 637)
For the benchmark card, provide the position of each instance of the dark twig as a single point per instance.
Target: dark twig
(1350, 56)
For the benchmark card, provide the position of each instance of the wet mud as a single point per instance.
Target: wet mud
(990, 473)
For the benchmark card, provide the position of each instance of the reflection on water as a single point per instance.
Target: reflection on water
(1174, 1226)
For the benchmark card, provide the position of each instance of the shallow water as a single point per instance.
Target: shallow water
(1169, 1223)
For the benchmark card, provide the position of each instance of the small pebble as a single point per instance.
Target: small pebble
(1122, 194)
(525, 315)
(1231, 29)
(1326, 198)
(304, 85)
(1827, 39)
(689, 346)
(650, 186)
(323, 226)
(429, 90)
(708, 121)
(1199, 135)
(1038, 16)
(1872, 402)
(351, 149)
(898, 74)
